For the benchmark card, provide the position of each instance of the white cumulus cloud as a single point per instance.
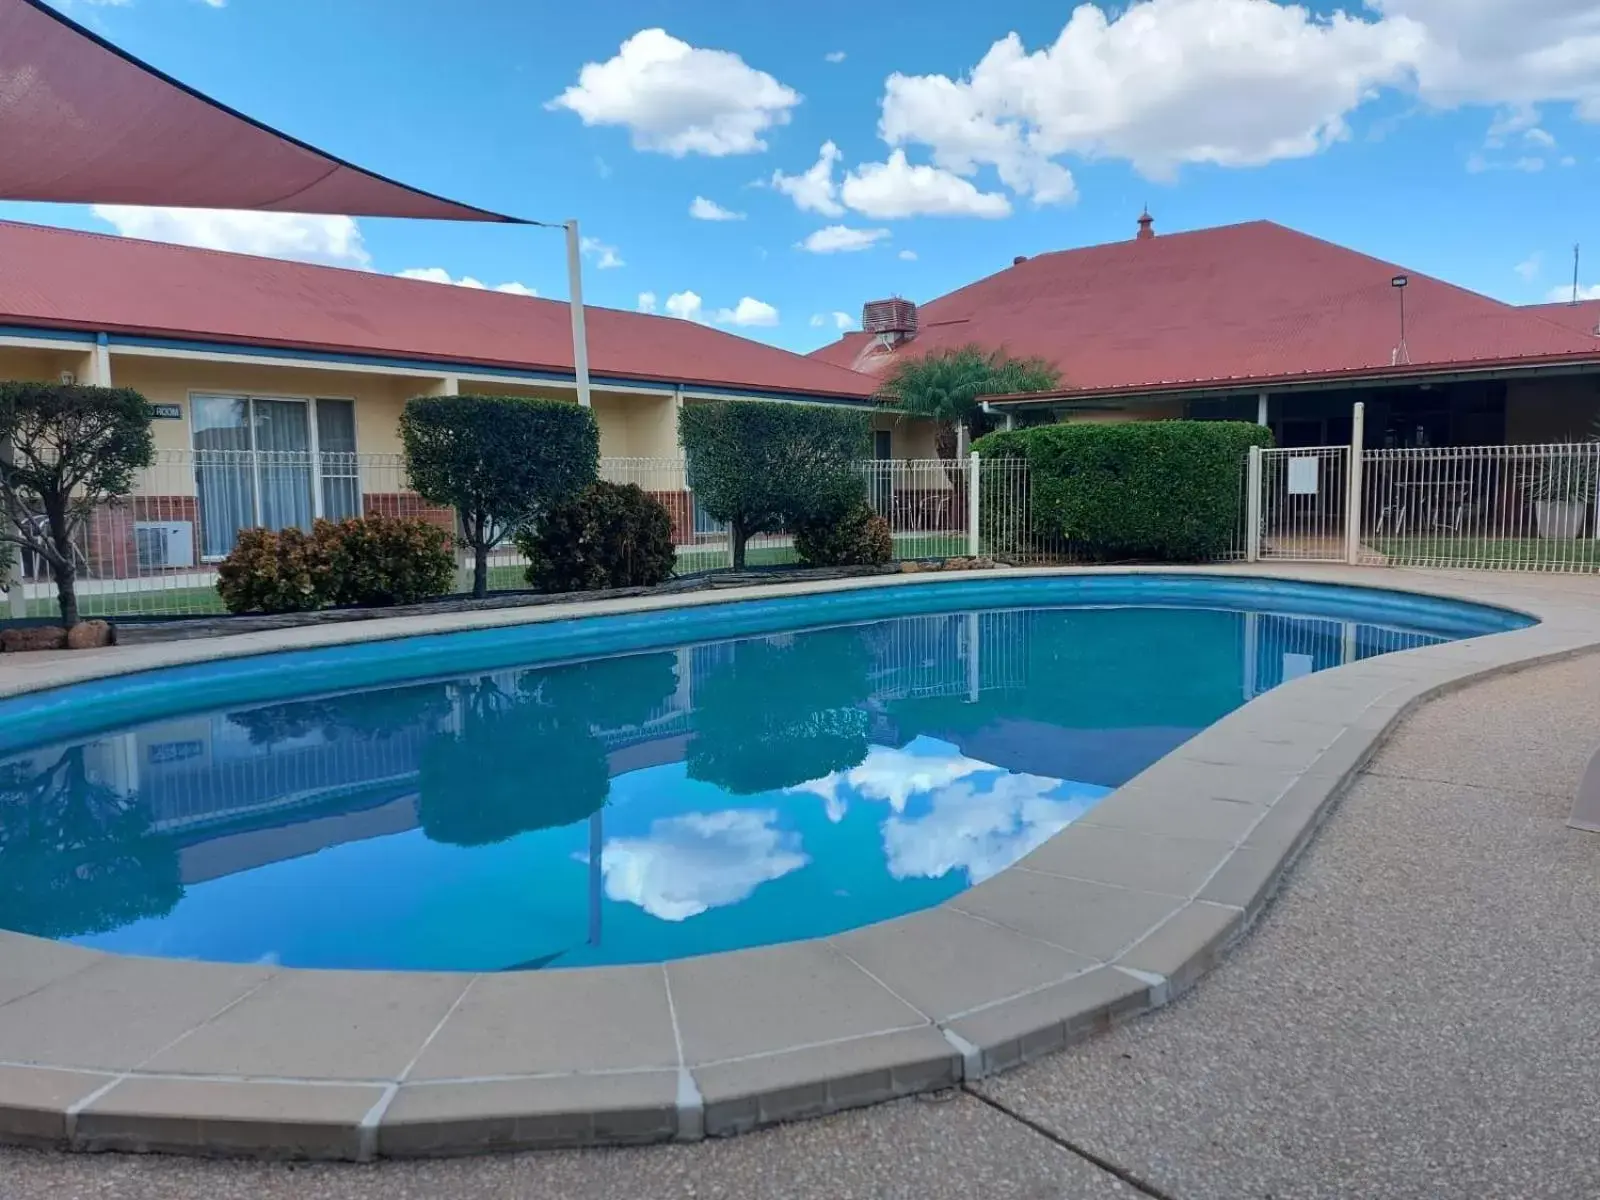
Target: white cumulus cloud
(702, 209)
(686, 306)
(647, 302)
(605, 257)
(690, 864)
(890, 190)
(814, 189)
(836, 239)
(834, 56)
(839, 320)
(440, 275)
(907, 256)
(679, 99)
(749, 312)
(330, 240)
(1562, 294)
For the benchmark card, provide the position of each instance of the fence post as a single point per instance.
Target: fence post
(974, 547)
(1252, 507)
(1352, 499)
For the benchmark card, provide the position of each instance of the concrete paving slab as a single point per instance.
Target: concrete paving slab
(28, 964)
(1130, 858)
(34, 1102)
(320, 1025)
(119, 1012)
(751, 1092)
(1095, 920)
(550, 1022)
(568, 1110)
(945, 962)
(777, 998)
(1043, 1022)
(222, 1118)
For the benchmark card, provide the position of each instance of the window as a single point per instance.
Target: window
(272, 463)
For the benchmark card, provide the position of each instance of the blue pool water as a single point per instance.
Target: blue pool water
(633, 808)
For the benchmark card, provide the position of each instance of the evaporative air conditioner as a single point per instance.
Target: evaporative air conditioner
(163, 544)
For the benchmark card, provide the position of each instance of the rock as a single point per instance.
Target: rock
(958, 564)
(89, 635)
(33, 637)
(912, 567)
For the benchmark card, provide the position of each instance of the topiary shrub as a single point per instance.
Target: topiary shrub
(859, 538)
(274, 571)
(499, 461)
(763, 467)
(1160, 491)
(380, 561)
(613, 535)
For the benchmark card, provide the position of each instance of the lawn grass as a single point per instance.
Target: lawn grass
(156, 601)
(1535, 553)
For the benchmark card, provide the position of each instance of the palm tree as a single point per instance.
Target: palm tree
(947, 385)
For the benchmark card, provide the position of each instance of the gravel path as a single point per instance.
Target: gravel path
(1418, 1016)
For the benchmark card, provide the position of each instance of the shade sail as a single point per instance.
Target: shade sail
(82, 122)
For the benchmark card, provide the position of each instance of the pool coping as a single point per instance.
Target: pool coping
(1119, 913)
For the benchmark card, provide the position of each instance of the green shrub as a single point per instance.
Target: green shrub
(274, 572)
(499, 461)
(764, 467)
(613, 535)
(859, 538)
(1162, 491)
(380, 560)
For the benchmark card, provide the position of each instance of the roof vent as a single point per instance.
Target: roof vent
(1019, 260)
(890, 321)
(1147, 226)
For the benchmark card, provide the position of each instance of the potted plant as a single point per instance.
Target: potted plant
(1562, 492)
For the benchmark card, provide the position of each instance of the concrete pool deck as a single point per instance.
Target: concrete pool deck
(1116, 915)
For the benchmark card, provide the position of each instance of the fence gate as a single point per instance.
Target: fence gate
(1299, 503)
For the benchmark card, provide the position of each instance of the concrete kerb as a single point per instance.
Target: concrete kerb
(709, 1057)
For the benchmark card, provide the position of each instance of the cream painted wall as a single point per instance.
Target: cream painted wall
(43, 366)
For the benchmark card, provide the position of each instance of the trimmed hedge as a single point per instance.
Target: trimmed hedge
(274, 571)
(614, 535)
(499, 461)
(1158, 491)
(859, 538)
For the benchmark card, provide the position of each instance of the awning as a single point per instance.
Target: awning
(82, 122)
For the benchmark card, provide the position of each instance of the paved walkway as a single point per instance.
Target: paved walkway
(1416, 1017)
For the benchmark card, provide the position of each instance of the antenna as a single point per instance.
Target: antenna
(1576, 250)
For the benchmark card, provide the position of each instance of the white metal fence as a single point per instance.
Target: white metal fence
(1531, 508)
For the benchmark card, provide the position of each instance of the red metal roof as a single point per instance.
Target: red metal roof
(1240, 305)
(66, 279)
(1583, 316)
(84, 122)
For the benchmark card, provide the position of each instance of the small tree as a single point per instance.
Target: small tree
(947, 385)
(64, 450)
(499, 461)
(763, 467)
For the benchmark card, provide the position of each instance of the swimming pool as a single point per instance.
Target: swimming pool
(462, 802)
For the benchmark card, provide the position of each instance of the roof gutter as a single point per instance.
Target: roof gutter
(1567, 364)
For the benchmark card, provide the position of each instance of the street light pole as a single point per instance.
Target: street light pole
(580, 336)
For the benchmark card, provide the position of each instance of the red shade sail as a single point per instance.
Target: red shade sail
(81, 122)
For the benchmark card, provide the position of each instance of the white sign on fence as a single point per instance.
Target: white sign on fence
(1303, 475)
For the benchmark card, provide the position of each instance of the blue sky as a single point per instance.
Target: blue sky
(1458, 137)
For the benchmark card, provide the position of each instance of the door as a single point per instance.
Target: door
(253, 467)
(336, 457)
(882, 472)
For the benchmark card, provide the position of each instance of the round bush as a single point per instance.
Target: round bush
(273, 572)
(380, 561)
(859, 538)
(613, 535)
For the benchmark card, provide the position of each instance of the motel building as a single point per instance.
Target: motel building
(278, 387)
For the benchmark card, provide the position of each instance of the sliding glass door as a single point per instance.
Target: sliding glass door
(257, 463)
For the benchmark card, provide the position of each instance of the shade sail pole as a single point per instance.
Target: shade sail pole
(580, 336)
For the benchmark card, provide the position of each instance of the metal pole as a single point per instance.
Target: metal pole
(974, 663)
(580, 337)
(1252, 507)
(1352, 499)
(973, 545)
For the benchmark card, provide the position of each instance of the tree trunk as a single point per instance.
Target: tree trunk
(740, 537)
(67, 593)
(480, 571)
(62, 566)
(944, 440)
